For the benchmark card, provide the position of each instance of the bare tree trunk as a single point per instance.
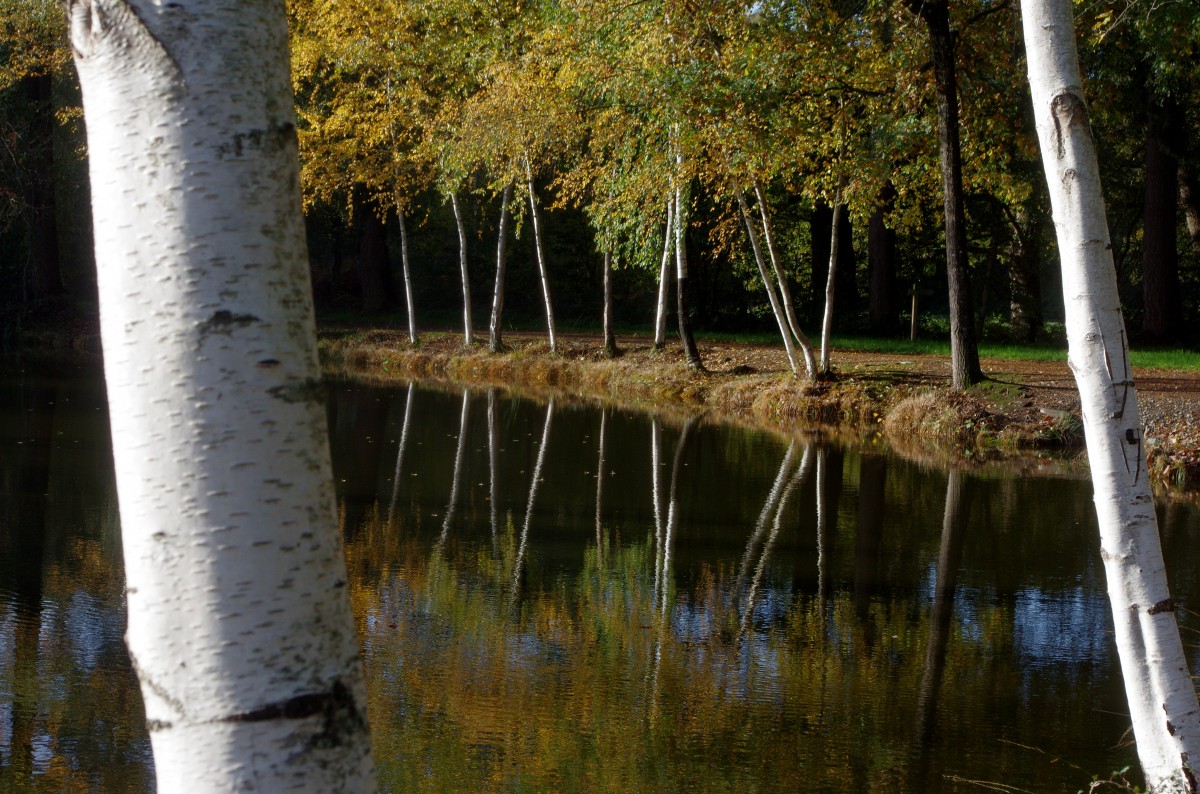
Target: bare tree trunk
(541, 257)
(785, 292)
(664, 279)
(495, 340)
(468, 322)
(1158, 684)
(964, 348)
(768, 283)
(830, 283)
(408, 287)
(534, 481)
(239, 623)
(690, 352)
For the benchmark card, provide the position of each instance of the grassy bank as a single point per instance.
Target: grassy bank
(876, 396)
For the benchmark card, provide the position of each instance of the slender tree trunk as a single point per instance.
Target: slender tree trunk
(964, 349)
(1158, 685)
(610, 336)
(664, 279)
(408, 287)
(468, 322)
(768, 509)
(495, 340)
(690, 352)
(1162, 318)
(785, 292)
(830, 284)
(239, 623)
(535, 217)
(656, 499)
(768, 283)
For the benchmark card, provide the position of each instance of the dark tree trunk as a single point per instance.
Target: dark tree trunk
(1024, 278)
(610, 337)
(45, 278)
(372, 266)
(1162, 317)
(682, 286)
(881, 259)
(964, 349)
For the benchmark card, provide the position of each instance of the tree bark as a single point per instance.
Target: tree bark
(664, 279)
(468, 322)
(1158, 685)
(408, 286)
(785, 292)
(610, 336)
(535, 217)
(690, 352)
(495, 329)
(1162, 304)
(964, 349)
(768, 284)
(239, 623)
(830, 286)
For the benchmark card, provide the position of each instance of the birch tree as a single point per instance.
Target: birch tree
(240, 627)
(1162, 700)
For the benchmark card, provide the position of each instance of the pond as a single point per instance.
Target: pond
(554, 596)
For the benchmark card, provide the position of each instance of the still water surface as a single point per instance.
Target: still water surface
(564, 598)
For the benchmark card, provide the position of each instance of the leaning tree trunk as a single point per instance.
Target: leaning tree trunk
(495, 329)
(468, 323)
(964, 348)
(408, 287)
(535, 218)
(1162, 700)
(830, 283)
(785, 292)
(239, 622)
(664, 279)
(769, 284)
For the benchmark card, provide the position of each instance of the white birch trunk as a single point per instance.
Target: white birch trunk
(240, 629)
(827, 318)
(468, 323)
(1162, 700)
(768, 283)
(408, 287)
(541, 258)
(785, 292)
(495, 329)
(664, 278)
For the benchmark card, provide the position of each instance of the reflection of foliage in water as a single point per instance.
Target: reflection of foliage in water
(585, 684)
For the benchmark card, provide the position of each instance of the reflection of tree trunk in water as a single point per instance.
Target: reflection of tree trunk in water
(869, 533)
(949, 557)
(23, 557)
(664, 588)
(452, 507)
(773, 495)
(408, 404)
(781, 503)
(493, 468)
(600, 466)
(518, 566)
(656, 496)
(829, 493)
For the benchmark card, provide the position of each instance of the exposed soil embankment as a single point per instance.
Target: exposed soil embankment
(1024, 407)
